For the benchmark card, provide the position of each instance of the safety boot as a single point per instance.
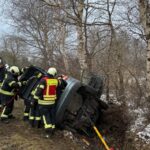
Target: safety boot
(37, 124)
(4, 120)
(25, 118)
(11, 116)
(32, 123)
(1, 108)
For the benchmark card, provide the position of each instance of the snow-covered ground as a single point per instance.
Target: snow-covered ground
(145, 134)
(139, 124)
(112, 99)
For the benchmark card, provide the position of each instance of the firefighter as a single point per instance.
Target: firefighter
(7, 92)
(2, 75)
(34, 115)
(27, 105)
(62, 84)
(2, 71)
(46, 93)
(27, 101)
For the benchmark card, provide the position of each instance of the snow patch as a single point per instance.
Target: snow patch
(112, 100)
(145, 134)
(138, 124)
(139, 127)
(140, 119)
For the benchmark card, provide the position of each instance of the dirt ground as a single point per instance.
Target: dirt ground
(18, 135)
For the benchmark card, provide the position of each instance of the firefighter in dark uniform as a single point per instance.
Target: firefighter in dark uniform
(7, 92)
(27, 105)
(26, 102)
(2, 75)
(46, 93)
(34, 115)
(62, 84)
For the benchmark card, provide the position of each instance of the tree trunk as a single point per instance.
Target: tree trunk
(62, 47)
(118, 65)
(82, 53)
(144, 6)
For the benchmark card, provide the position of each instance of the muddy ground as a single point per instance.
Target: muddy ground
(18, 135)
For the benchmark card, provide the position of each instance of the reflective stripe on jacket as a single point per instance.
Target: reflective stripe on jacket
(43, 102)
(8, 84)
(2, 73)
(49, 91)
(6, 92)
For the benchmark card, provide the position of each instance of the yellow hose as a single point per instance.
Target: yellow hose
(101, 138)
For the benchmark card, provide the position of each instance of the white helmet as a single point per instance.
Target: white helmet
(14, 70)
(52, 71)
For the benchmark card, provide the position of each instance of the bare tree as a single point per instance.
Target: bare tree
(14, 50)
(35, 25)
(80, 13)
(144, 6)
(60, 32)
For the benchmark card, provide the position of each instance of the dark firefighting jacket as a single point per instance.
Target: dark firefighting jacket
(61, 87)
(2, 74)
(33, 97)
(9, 83)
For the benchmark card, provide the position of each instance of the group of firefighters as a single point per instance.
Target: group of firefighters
(40, 108)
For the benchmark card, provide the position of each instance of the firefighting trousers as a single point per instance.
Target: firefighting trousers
(0, 98)
(8, 108)
(0, 102)
(34, 116)
(48, 116)
(26, 109)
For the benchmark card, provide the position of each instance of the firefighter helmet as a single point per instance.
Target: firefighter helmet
(52, 71)
(14, 70)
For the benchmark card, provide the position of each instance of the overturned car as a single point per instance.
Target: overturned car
(78, 104)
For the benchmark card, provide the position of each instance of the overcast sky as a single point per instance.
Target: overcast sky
(4, 21)
(4, 27)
